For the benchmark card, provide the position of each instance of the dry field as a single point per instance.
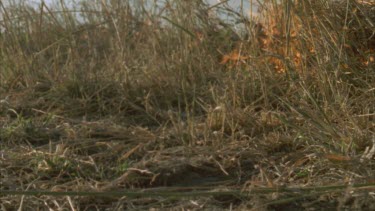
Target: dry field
(123, 105)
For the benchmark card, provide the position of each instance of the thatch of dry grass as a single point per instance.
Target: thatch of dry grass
(183, 111)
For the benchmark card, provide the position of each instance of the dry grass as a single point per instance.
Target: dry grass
(179, 109)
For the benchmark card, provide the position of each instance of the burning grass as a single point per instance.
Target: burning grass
(172, 108)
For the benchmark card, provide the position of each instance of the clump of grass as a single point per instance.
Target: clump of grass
(172, 97)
